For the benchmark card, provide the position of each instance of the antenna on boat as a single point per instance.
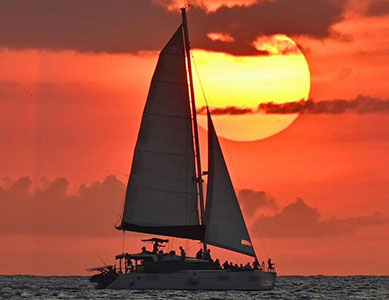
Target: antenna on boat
(194, 115)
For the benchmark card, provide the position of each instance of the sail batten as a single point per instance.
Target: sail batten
(161, 195)
(225, 226)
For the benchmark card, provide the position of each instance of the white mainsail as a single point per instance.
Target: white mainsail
(225, 226)
(161, 194)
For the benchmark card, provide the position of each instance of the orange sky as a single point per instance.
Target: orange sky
(69, 117)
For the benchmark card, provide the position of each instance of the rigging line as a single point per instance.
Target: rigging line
(192, 245)
(120, 214)
(232, 162)
(102, 260)
(198, 78)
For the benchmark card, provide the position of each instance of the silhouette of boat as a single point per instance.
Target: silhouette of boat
(165, 193)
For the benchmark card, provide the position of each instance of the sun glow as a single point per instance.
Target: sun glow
(282, 75)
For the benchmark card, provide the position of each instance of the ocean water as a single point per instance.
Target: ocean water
(287, 287)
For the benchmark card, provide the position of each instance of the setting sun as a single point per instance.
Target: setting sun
(279, 75)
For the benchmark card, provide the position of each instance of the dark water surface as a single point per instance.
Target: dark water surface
(287, 287)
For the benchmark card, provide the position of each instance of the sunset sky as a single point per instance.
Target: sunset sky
(311, 169)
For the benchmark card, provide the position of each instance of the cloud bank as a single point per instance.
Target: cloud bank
(94, 209)
(252, 201)
(299, 220)
(245, 23)
(377, 8)
(360, 105)
(51, 209)
(121, 26)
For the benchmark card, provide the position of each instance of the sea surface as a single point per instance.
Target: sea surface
(287, 287)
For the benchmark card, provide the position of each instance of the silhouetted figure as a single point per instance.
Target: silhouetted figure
(226, 265)
(155, 247)
(183, 253)
(247, 267)
(144, 249)
(207, 255)
(217, 264)
(199, 254)
(263, 266)
(270, 265)
(255, 265)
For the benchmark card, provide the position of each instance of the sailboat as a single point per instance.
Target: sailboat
(165, 193)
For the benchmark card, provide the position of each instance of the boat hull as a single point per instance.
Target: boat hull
(196, 280)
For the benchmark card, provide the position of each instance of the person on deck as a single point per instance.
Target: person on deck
(144, 249)
(247, 267)
(183, 253)
(270, 265)
(155, 247)
(199, 254)
(255, 265)
(226, 265)
(217, 264)
(207, 255)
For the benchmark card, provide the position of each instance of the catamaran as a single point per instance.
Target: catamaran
(165, 192)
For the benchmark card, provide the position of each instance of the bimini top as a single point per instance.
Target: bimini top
(155, 240)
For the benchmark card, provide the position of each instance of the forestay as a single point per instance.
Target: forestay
(161, 194)
(225, 226)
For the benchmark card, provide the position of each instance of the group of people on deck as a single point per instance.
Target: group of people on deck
(201, 255)
(256, 266)
(234, 267)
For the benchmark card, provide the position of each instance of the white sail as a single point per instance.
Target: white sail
(161, 194)
(225, 226)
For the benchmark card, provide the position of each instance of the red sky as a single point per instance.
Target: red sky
(72, 95)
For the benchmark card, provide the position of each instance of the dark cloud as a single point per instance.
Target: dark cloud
(373, 52)
(299, 220)
(51, 209)
(377, 8)
(252, 202)
(244, 24)
(47, 207)
(121, 26)
(229, 110)
(87, 26)
(361, 105)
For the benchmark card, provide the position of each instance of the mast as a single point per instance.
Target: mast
(194, 114)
